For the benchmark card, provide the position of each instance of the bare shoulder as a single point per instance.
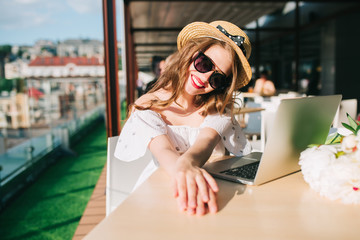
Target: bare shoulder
(146, 99)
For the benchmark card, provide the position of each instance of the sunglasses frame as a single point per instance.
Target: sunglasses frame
(225, 79)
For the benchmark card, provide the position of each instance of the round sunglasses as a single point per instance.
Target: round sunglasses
(204, 64)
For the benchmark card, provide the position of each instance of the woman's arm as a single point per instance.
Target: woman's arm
(193, 186)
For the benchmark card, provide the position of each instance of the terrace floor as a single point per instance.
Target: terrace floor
(95, 209)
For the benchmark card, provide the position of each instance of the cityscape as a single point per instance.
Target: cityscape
(49, 77)
(48, 92)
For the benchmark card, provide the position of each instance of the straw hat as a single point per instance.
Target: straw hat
(222, 31)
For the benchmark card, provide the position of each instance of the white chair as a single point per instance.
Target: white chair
(267, 120)
(124, 177)
(346, 106)
(262, 121)
(267, 117)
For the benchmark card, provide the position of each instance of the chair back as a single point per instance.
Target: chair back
(346, 106)
(267, 121)
(124, 177)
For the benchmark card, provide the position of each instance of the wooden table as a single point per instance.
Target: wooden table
(250, 94)
(282, 209)
(247, 110)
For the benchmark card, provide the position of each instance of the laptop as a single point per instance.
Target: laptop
(298, 122)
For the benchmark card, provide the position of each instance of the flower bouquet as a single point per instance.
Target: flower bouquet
(333, 169)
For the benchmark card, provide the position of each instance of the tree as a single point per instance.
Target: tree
(5, 51)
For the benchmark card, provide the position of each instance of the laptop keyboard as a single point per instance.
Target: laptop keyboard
(247, 171)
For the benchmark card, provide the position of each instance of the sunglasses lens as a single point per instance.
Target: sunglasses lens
(218, 81)
(203, 64)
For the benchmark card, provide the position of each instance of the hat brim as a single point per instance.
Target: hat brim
(205, 30)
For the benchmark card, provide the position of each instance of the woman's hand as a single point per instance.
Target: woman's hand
(194, 188)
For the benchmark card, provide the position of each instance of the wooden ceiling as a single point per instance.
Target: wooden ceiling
(156, 24)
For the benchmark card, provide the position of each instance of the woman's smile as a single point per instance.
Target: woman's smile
(196, 82)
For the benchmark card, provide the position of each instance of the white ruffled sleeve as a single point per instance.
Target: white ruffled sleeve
(139, 129)
(232, 136)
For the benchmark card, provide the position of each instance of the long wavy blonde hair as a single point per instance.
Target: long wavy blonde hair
(177, 72)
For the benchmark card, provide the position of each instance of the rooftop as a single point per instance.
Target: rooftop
(63, 61)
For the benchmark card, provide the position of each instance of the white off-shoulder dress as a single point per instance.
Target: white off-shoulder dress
(144, 125)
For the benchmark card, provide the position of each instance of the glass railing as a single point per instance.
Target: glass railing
(38, 116)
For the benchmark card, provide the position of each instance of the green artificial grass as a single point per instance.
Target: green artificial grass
(52, 206)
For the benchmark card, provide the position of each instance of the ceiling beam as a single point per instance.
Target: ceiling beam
(154, 51)
(237, 1)
(157, 29)
(155, 44)
(178, 29)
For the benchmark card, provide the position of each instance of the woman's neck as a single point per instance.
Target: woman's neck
(186, 101)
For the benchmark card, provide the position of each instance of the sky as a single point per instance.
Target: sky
(23, 22)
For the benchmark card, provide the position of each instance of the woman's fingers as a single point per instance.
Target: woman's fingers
(175, 188)
(191, 191)
(195, 192)
(202, 187)
(212, 204)
(210, 180)
(182, 191)
(200, 209)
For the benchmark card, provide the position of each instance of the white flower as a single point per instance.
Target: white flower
(347, 168)
(357, 152)
(331, 176)
(316, 158)
(344, 132)
(349, 143)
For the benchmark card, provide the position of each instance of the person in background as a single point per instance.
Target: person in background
(162, 67)
(264, 86)
(139, 87)
(187, 116)
(158, 64)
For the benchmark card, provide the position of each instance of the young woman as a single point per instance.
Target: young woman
(187, 116)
